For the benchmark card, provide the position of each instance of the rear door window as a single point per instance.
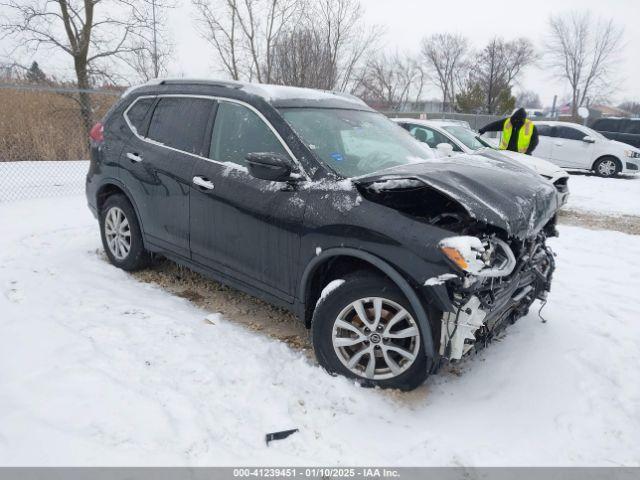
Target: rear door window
(239, 131)
(181, 123)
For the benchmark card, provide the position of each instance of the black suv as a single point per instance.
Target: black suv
(315, 202)
(625, 130)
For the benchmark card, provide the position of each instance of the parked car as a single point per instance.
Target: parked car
(625, 130)
(316, 203)
(461, 139)
(574, 146)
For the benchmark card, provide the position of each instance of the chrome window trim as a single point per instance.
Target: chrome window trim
(219, 99)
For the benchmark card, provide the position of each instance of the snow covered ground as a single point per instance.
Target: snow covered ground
(611, 196)
(99, 369)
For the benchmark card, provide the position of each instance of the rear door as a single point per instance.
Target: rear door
(569, 150)
(242, 226)
(158, 163)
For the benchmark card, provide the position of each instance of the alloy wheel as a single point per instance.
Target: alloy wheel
(376, 338)
(117, 232)
(607, 168)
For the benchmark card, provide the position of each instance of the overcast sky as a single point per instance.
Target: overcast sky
(407, 21)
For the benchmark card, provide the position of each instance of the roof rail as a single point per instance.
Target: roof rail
(201, 81)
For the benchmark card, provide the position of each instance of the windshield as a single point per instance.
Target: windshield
(354, 142)
(466, 136)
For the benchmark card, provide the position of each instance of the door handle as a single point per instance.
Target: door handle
(134, 157)
(203, 182)
(558, 144)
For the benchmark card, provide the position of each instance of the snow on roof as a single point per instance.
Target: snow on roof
(271, 93)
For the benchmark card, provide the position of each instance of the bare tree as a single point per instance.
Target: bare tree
(302, 59)
(91, 32)
(243, 33)
(279, 40)
(528, 99)
(153, 49)
(631, 107)
(583, 52)
(389, 81)
(444, 56)
(497, 67)
(349, 39)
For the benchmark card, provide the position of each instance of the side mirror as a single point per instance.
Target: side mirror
(269, 166)
(445, 149)
(589, 139)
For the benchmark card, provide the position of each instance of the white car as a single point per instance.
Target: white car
(448, 137)
(570, 145)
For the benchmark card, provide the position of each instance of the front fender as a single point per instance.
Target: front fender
(389, 271)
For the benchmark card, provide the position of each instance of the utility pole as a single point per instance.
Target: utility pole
(155, 40)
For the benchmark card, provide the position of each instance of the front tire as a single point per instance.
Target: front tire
(607, 167)
(365, 329)
(121, 234)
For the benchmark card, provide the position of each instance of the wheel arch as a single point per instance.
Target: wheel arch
(608, 155)
(112, 186)
(327, 262)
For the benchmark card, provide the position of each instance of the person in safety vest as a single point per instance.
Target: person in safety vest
(519, 134)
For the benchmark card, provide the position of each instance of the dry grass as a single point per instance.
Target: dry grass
(45, 125)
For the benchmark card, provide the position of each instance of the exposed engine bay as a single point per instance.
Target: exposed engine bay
(486, 303)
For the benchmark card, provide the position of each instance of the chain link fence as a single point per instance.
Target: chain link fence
(44, 138)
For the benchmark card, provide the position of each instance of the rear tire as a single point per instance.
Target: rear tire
(607, 167)
(121, 234)
(346, 345)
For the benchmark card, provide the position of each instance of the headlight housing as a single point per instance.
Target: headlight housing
(631, 154)
(489, 257)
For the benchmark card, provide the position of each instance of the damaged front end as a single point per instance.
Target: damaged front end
(500, 282)
(499, 222)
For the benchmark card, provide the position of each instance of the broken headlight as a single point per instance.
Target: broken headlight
(488, 257)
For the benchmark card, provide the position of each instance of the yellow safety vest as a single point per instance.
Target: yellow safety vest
(524, 136)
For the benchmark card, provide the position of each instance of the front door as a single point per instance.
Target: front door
(240, 225)
(569, 150)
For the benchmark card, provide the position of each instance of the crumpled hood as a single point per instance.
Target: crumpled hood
(497, 192)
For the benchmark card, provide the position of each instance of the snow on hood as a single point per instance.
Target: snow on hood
(496, 192)
(539, 165)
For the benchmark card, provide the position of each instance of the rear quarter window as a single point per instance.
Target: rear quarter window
(137, 113)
